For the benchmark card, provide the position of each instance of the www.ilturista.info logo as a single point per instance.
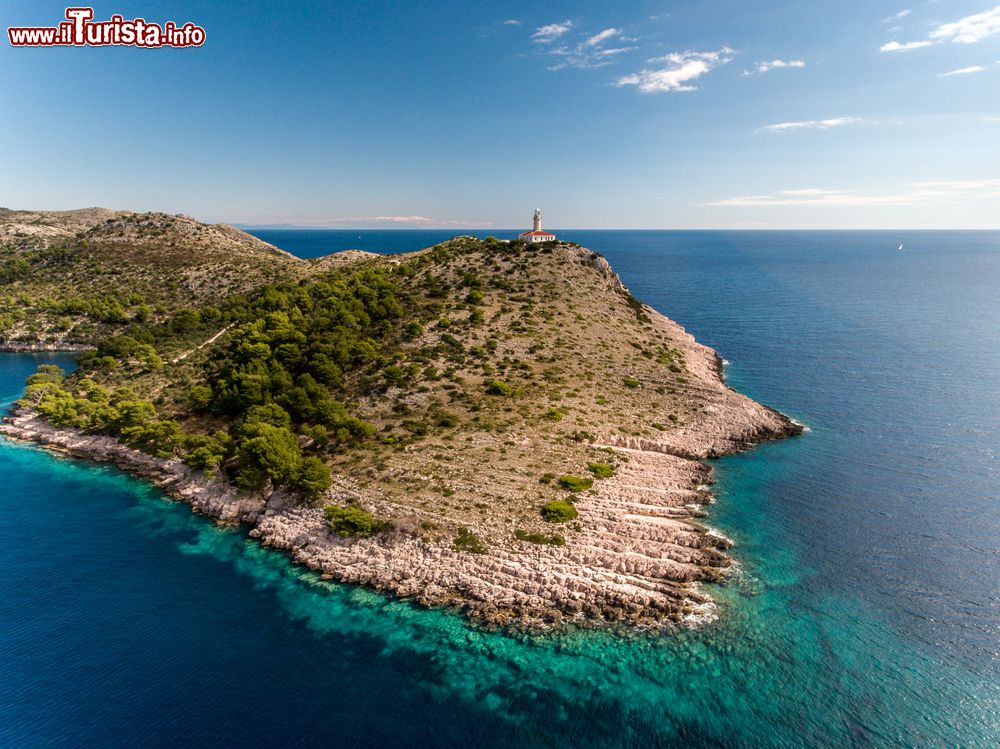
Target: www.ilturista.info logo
(80, 30)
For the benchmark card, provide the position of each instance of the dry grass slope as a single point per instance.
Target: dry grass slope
(69, 277)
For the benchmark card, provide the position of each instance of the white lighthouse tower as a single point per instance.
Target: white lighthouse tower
(536, 234)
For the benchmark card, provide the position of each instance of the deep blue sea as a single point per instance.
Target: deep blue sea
(866, 612)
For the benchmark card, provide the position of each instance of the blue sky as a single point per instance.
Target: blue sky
(701, 113)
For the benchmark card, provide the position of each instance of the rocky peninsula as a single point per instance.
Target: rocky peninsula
(506, 429)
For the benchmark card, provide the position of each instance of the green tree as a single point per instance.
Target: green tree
(47, 374)
(133, 412)
(159, 438)
(275, 450)
(204, 452)
(268, 414)
(314, 477)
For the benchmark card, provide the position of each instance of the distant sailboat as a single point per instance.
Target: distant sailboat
(900, 248)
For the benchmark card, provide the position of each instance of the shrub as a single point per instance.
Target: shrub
(474, 297)
(547, 478)
(147, 356)
(200, 397)
(496, 387)
(466, 540)
(414, 427)
(559, 511)
(394, 374)
(636, 306)
(575, 483)
(554, 414)
(450, 340)
(601, 470)
(447, 420)
(554, 539)
(631, 382)
(351, 521)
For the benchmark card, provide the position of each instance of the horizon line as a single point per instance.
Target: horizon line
(292, 227)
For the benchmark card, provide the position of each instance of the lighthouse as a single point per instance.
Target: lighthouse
(536, 234)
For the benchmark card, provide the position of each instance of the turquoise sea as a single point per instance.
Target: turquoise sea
(865, 613)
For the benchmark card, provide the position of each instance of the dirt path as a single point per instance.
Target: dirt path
(209, 342)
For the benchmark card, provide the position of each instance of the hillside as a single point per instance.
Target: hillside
(69, 277)
(484, 423)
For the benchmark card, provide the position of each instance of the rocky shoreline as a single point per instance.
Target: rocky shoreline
(638, 557)
(24, 347)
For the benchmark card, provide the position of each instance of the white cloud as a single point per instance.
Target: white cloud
(904, 47)
(898, 16)
(511, 22)
(613, 51)
(991, 119)
(970, 29)
(399, 219)
(601, 37)
(962, 185)
(766, 67)
(784, 127)
(809, 191)
(963, 71)
(910, 194)
(676, 71)
(589, 51)
(551, 32)
(967, 30)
